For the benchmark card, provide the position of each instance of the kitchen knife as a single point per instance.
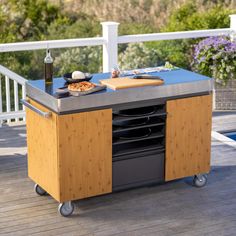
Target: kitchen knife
(147, 77)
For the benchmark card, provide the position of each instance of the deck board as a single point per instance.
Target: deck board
(174, 208)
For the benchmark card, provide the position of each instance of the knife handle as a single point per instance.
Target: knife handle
(147, 77)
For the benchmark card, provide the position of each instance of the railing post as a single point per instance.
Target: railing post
(16, 98)
(8, 97)
(110, 47)
(23, 97)
(233, 27)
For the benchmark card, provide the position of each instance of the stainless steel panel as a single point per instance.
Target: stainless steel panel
(133, 95)
(110, 99)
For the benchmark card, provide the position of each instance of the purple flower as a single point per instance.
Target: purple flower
(215, 57)
(215, 44)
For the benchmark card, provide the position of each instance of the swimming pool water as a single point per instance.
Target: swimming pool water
(231, 135)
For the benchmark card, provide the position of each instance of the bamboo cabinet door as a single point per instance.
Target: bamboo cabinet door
(85, 154)
(70, 156)
(42, 144)
(188, 137)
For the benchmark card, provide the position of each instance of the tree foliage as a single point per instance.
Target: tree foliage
(33, 20)
(188, 17)
(26, 19)
(87, 59)
(137, 55)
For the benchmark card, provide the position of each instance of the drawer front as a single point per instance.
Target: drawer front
(133, 172)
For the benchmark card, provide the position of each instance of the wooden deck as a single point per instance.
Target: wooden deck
(174, 208)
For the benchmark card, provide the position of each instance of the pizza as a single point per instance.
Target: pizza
(81, 86)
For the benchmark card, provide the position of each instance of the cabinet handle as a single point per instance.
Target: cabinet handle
(26, 103)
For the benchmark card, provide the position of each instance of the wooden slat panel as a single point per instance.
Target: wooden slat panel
(85, 152)
(188, 137)
(42, 150)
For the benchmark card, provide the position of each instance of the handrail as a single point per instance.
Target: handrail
(12, 75)
(173, 35)
(110, 41)
(62, 43)
(96, 41)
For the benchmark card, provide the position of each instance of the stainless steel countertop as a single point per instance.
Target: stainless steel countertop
(178, 83)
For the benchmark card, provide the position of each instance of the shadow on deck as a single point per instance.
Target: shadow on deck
(174, 208)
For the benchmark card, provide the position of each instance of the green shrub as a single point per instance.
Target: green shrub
(188, 17)
(137, 55)
(86, 59)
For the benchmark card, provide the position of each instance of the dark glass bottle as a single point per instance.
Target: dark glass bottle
(48, 68)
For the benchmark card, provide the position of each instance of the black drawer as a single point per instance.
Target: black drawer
(137, 113)
(140, 123)
(139, 147)
(140, 111)
(134, 170)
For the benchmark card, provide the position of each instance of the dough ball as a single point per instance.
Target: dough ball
(78, 75)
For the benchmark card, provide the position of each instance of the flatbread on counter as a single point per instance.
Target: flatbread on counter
(81, 86)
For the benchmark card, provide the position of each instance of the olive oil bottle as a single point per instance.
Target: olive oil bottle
(48, 68)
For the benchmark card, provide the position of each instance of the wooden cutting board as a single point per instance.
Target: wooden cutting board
(121, 83)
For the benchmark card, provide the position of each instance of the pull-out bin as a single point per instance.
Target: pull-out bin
(133, 170)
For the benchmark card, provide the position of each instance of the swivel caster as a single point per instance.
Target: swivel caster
(66, 208)
(199, 180)
(40, 191)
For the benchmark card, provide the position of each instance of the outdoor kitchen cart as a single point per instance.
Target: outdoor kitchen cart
(79, 147)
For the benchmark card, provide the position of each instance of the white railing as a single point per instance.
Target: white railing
(9, 103)
(173, 35)
(109, 40)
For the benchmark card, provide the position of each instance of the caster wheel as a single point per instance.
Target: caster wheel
(40, 191)
(66, 208)
(199, 180)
